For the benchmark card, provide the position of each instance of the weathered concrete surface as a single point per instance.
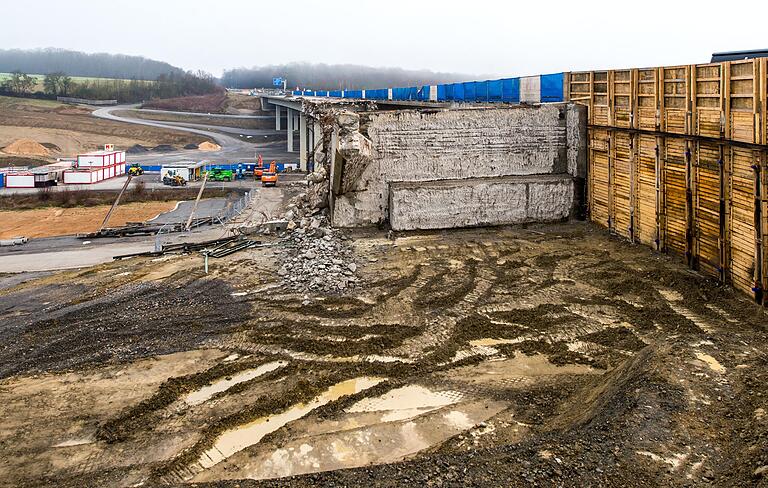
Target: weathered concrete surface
(480, 201)
(451, 145)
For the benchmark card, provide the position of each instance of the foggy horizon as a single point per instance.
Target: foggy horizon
(493, 38)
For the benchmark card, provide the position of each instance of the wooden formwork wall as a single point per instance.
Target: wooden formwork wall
(678, 161)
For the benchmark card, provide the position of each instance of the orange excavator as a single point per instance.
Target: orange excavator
(259, 169)
(269, 175)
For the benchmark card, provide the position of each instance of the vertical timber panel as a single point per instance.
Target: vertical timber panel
(646, 191)
(675, 195)
(600, 103)
(707, 208)
(622, 183)
(598, 176)
(743, 90)
(763, 88)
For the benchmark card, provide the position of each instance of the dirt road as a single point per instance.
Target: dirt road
(233, 147)
(549, 356)
(71, 129)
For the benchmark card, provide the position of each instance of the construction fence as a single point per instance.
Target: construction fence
(678, 160)
(533, 89)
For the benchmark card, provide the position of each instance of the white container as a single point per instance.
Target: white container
(20, 181)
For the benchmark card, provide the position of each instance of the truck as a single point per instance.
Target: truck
(219, 174)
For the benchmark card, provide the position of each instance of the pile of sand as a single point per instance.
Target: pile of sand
(208, 146)
(26, 147)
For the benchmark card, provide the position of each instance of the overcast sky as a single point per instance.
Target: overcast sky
(473, 37)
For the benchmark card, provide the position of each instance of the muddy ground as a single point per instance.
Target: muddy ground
(549, 356)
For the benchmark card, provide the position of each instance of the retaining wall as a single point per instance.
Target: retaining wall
(457, 146)
(480, 202)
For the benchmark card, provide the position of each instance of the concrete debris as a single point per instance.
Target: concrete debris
(317, 259)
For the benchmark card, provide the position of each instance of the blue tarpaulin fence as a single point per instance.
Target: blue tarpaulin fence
(552, 87)
(505, 90)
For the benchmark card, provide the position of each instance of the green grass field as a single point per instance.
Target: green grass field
(75, 79)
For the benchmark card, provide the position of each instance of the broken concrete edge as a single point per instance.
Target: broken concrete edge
(486, 201)
(363, 150)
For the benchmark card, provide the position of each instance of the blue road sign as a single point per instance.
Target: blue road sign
(277, 81)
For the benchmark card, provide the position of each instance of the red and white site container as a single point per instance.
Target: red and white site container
(20, 180)
(96, 166)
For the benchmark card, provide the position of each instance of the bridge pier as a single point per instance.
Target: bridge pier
(290, 130)
(303, 146)
(278, 112)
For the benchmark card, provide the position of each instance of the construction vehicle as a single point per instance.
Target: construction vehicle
(219, 174)
(258, 170)
(269, 175)
(174, 180)
(135, 170)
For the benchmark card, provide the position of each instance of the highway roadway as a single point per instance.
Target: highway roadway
(233, 147)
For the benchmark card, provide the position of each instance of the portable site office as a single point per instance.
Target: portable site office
(189, 170)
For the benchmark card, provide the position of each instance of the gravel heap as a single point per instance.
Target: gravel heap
(317, 257)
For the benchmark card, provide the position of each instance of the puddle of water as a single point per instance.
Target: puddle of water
(233, 441)
(239, 294)
(231, 357)
(375, 358)
(206, 392)
(671, 295)
(458, 419)
(713, 363)
(73, 442)
(406, 402)
(489, 341)
(473, 351)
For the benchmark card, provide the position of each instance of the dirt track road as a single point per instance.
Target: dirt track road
(233, 148)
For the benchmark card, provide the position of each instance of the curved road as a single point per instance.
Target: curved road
(232, 148)
(201, 114)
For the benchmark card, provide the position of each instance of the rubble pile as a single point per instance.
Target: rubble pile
(317, 257)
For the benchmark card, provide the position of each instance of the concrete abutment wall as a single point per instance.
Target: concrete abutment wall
(428, 169)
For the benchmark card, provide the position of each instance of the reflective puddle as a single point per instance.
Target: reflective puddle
(73, 442)
(205, 393)
(489, 341)
(406, 402)
(713, 363)
(233, 441)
